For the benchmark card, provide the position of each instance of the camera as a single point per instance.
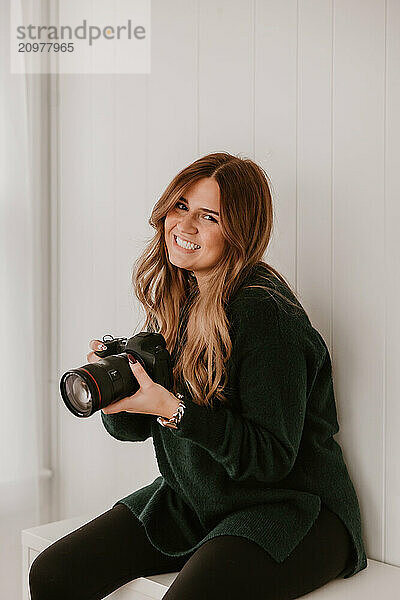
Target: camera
(94, 386)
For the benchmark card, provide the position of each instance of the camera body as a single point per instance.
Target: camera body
(94, 386)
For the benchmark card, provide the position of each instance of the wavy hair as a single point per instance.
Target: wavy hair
(170, 295)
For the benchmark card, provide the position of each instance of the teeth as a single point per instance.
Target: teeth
(187, 245)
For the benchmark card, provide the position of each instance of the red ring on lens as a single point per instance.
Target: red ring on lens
(98, 389)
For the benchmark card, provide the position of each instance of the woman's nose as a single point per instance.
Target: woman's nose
(186, 224)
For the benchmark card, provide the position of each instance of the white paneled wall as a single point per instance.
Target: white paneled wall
(309, 89)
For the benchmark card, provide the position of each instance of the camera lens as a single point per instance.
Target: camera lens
(78, 393)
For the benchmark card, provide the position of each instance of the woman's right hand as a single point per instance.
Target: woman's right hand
(95, 345)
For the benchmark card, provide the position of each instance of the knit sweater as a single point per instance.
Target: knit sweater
(260, 467)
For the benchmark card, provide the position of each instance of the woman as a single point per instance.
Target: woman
(254, 497)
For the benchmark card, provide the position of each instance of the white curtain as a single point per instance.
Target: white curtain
(21, 376)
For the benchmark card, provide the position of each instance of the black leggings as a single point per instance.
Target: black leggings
(112, 549)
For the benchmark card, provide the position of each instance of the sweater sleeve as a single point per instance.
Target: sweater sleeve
(261, 440)
(127, 427)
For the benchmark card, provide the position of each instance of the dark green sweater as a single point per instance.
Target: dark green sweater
(261, 467)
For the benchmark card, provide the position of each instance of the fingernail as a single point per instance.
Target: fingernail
(132, 359)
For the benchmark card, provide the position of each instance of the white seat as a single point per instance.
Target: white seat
(378, 579)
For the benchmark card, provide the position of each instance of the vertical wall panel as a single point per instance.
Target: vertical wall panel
(130, 193)
(358, 219)
(314, 162)
(276, 120)
(226, 80)
(172, 108)
(76, 267)
(388, 282)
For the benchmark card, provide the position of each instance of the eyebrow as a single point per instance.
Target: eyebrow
(204, 209)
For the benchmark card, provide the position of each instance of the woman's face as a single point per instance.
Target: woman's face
(193, 220)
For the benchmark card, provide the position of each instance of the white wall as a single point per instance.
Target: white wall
(308, 89)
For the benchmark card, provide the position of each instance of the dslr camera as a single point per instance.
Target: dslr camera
(94, 386)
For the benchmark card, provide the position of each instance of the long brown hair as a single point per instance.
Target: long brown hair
(169, 293)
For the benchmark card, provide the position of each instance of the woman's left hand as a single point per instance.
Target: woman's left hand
(151, 398)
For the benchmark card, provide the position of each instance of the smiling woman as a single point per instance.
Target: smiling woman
(213, 223)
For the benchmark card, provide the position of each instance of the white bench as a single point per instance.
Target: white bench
(377, 580)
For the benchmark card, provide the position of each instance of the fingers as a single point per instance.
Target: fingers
(95, 345)
(92, 357)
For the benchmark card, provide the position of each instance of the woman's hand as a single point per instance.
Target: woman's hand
(151, 398)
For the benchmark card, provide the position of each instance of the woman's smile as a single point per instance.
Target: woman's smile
(183, 249)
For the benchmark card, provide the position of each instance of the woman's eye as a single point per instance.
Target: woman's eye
(184, 205)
